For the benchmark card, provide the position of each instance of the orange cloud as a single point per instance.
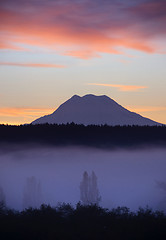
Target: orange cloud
(25, 112)
(32, 65)
(16, 116)
(123, 88)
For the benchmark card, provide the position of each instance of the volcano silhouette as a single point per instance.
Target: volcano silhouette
(96, 110)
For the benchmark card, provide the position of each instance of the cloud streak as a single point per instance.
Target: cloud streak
(83, 25)
(25, 112)
(143, 109)
(120, 87)
(38, 65)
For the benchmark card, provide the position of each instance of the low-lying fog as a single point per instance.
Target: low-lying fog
(131, 178)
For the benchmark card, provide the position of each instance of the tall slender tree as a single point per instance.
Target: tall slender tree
(89, 193)
(2, 199)
(32, 193)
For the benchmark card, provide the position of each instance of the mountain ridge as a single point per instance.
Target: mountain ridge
(94, 110)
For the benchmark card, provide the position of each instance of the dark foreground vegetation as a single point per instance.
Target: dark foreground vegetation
(94, 136)
(81, 223)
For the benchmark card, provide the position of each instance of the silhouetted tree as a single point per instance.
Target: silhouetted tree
(91, 135)
(83, 222)
(32, 193)
(162, 186)
(89, 193)
(2, 199)
(84, 189)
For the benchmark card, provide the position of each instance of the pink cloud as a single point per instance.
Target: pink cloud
(84, 54)
(86, 28)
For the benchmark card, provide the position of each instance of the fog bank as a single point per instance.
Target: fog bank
(125, 178)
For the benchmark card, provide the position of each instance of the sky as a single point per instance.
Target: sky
(51, 50)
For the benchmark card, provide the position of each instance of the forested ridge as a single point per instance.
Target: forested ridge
(92, 135)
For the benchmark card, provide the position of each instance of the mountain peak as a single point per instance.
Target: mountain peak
(90, 96)
(75, 97)
(91, 109)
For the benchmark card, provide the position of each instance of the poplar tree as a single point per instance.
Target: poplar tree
(89, 193)
(32, 193)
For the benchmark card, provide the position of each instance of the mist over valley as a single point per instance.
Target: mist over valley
(131, 178)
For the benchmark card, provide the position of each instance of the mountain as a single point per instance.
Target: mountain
(91, 109)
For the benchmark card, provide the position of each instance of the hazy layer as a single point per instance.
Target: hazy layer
(125, 178)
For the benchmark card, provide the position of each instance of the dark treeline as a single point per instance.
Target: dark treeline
(81, 223)
(92, 135)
